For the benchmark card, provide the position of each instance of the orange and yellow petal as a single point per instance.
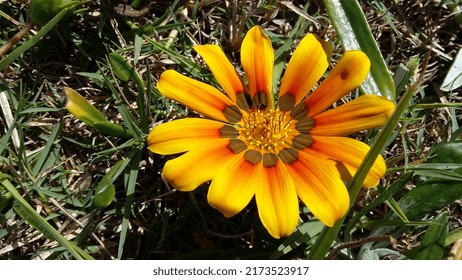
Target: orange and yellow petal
(197, 166)
(182, 135)
(223, 71)
(307, 65)
(349, 73)
(233, 186)
(276, 199)
(349, 153)
(319, 186)
(257, 59)
(365, 112)
(198, 96)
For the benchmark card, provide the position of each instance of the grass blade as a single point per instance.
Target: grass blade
(432, 245)
(132, 176)
(45, 153)
(28, 213)
(384, 195)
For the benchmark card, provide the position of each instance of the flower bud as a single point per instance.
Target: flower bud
(84, 111)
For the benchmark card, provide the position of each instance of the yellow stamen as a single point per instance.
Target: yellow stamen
(266, 130)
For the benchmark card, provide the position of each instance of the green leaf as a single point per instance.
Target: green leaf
(438, 173)
(433, 242)
(376, 254)
(446, 152)
(121, 68)
(105, 191)
(124, 70)
(426, 197)
(430, 196)
(353, 30)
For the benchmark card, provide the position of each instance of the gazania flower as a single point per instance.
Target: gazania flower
(250, 145)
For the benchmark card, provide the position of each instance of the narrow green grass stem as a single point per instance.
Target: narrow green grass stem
(131, 179)
(328, 235)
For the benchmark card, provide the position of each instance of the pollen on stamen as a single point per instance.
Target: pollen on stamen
(266, 130)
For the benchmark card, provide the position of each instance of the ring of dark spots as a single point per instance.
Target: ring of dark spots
(260, 100)
(269, 159)
(232, 113)
(253, 156)
(305, 125)
(228, 131)
(302, 141)
(299, 112)
(286, 102)
(288, 155)
(243, 100)
(237, 146)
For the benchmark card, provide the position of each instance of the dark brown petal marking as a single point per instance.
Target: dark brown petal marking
(344, 75)
(228, 131)
(286, 102)
(242, 101)
(299, 112)
(237, 146)
(253, 156)
(260, 100)
(232, 113)
(288, 155)
(269, 159)
(305, 125)
(302, 141)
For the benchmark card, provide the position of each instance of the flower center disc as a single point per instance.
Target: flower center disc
(266, 131)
